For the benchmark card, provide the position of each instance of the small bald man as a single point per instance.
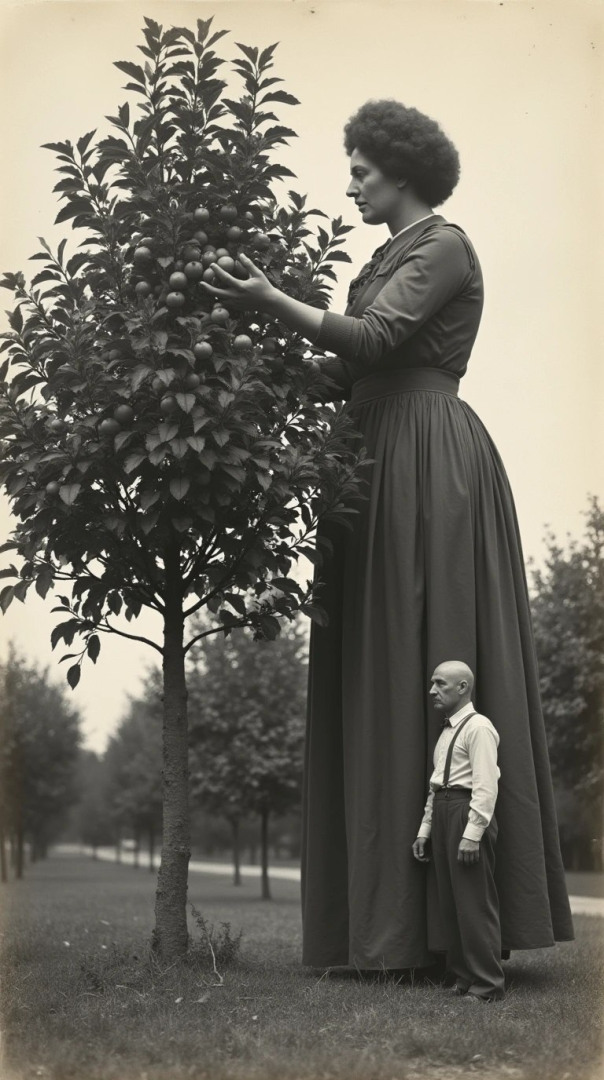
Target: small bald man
(460, 827)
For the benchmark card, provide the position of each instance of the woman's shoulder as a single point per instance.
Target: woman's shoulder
(440, 242)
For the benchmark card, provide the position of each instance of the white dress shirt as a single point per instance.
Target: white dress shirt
(473, 765)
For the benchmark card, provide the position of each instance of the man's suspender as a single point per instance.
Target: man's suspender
(445, 782)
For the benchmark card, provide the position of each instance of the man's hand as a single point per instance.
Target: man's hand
(420, 849)
(468, 851)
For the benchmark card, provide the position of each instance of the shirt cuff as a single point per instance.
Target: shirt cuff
(473, 832)
(424, 831)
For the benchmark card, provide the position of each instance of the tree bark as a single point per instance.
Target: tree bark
(236, 853)
(266, 889)
(151, 850)
(170, 935)
(20, 853)
(3, 862)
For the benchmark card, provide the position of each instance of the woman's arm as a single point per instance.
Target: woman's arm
(256, 293)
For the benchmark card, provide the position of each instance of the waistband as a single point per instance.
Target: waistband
(453, 789)
(401, 380)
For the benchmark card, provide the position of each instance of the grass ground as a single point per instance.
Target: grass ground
(82, 1001)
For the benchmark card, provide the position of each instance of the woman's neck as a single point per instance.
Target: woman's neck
(411, 209)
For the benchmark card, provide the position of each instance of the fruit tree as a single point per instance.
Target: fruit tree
(159, 451)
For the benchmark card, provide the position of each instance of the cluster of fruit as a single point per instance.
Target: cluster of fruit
(195, 258)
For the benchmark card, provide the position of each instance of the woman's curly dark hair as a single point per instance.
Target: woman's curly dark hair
(405, 143)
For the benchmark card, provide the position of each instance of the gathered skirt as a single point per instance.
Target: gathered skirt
(432, 570)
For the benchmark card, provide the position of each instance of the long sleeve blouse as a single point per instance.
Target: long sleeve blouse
(417, 303)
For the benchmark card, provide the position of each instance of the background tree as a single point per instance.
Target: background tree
(91, 821)
(160, 452)
(39, 738)
(568, 615)
(248, 706)
(132, 766)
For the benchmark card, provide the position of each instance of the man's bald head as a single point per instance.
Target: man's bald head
(451, 685)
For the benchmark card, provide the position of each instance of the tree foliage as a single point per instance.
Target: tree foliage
(158, 450)
(247, 714)
(247, 702)
(128, 425)
(132, 768)
(39, 739)
(568, 616)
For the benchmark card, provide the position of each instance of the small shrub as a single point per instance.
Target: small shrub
(214, 947)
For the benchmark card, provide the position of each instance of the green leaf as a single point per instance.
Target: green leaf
(196, 442)
(6, 597)
(186, 401)
(132, 70)
(167, 431)
(68, 493)
(73, 675)
(93, 647)
(179, 487)
(133, 461)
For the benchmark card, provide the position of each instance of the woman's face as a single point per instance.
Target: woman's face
(377, 196)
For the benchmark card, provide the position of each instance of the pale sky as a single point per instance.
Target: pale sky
(518, 87)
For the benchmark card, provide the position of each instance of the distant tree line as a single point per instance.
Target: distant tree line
(247, 707)
(39, 741)
(568, 617)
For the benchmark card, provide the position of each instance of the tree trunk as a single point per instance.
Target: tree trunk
(151, 850)
(3, 862)
(20, 853)
(266, 890)
(170, 934)
(236, 853)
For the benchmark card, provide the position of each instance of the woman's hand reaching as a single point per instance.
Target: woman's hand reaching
(254, 292)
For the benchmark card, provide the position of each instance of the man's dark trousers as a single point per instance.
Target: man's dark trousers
(468, 898)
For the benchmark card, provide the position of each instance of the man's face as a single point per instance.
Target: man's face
(445, 690)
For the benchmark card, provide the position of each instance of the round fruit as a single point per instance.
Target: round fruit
(53, 487)
(178, 280)
(124, 414)
(209, 257)
(269, 345)
(262, 241)
(191, 251)
(219, 314)
(108, 427)
(248, 215)
(201, 215)
(226, 263)
(175, 299)
(242, 342)
(234, 233)
(56, 425)
(142, 255)
(145, 241)
(240, 271)
(194, 270)
(221, 252)
(209, 275)
(191, 381)
(228, 212)
(201, 237)
(158, 289)
(167, 404)
(142, 288)
(202, 350)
